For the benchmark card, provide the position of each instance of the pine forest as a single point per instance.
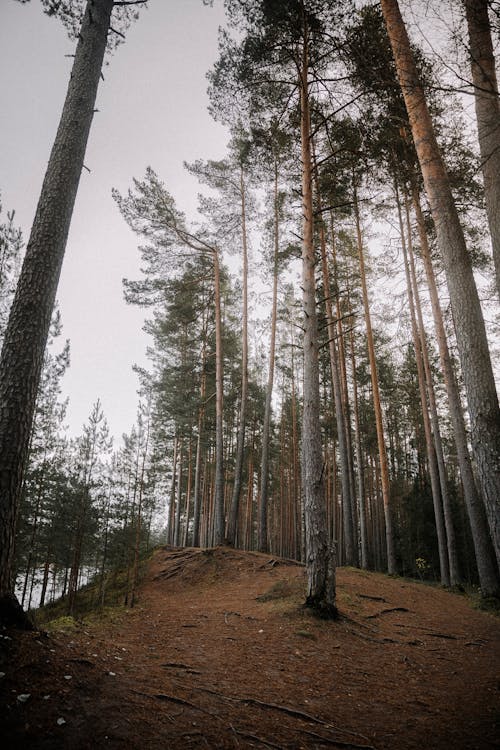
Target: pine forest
(318, 398)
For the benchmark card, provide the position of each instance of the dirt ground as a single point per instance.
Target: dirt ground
(219, 653)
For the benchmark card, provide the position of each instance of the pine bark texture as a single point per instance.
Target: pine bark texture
(320, 558)
(27, 330)
(489, 578)
(474, 354)
(487, 105)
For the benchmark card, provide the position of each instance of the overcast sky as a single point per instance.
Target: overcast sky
(152, 111)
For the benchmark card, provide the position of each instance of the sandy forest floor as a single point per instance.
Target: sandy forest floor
(219, 653)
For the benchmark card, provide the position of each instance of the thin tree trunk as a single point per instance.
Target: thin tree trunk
(171, 507)
(377, 407)
(320, 558)
(266, 428)
(31, 310)
(487, 104)
(455, 577)
(198, 461)
(138, 525)
(178, 506)
(359, 456)
(474, 354)
(429, 443)
(347, 499)
(232, 524)
(219, 398)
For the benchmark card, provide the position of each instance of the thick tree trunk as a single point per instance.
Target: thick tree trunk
(232, 523)
(27, 330)
(377, 407)
(266, 428)
(320, 556)
(487, 104)
(489, 577)
(474, 354)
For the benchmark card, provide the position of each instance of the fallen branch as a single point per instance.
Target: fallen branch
(295, 712)
(385, 611)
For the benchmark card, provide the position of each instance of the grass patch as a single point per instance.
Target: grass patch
(89, 601)
(279, 590)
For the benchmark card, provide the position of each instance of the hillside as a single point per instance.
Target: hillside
(218, 653)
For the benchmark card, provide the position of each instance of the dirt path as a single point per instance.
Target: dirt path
(219, 654)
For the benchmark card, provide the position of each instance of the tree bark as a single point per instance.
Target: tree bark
(266, 428)
(377, 407)
(232, 523)
(320, 557)
(429, 443)
(27, 330)
(455, 577)
(487, 105)
(219, 402)
(474, 354)
(489, 577)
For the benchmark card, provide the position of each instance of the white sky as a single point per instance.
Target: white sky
(152, 111)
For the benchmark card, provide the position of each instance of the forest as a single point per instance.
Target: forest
(323, 334)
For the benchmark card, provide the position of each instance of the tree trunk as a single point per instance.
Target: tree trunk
(232, 523)
(429, 444)
(467, 314)
(320, 556)
(266, 428)
(171, 507)
(27, 330)
(340, 417)
(363, 533)
(455, 577)
(219, 402)
(377, 407)
(489, 578)
(487, 105)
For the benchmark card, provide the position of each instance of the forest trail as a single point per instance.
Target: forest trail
(218, 653)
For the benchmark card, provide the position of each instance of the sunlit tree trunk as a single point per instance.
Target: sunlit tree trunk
(473, 349)
(487, 104)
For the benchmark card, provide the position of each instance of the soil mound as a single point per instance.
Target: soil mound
(220, 653)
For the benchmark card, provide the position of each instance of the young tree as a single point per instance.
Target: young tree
(31, 310)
